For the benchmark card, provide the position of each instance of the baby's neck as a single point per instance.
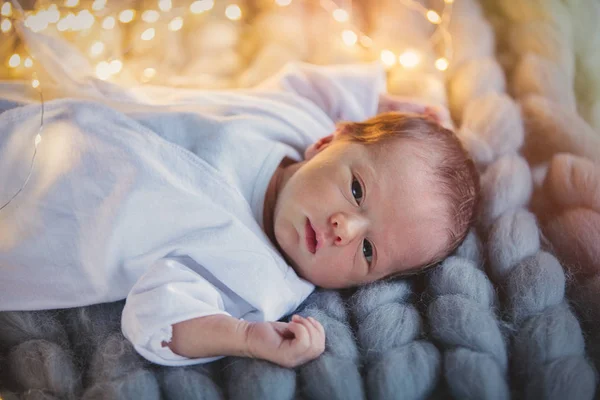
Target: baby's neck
(282, 174)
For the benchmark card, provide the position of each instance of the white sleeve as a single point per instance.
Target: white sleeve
(168, 293)
(348, 92)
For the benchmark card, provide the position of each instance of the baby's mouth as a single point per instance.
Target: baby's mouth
(311, 237)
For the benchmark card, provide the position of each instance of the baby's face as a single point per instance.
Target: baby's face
(353, 214)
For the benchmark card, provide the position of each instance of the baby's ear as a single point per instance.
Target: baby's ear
(317, 147)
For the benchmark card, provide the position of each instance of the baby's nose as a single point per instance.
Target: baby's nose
(346, 227)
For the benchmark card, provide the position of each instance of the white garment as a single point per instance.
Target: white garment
(156, 195)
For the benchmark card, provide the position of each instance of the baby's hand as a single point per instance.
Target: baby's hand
(287, 344)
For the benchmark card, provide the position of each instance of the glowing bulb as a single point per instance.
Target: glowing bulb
(14, 61)
(433, 17)
(148, 34)
(35, 83)
(441, 64)
(115, 66)
(71, 3)
(409, 59)
(165, 5)
(449, 1)
(200, 6)
(283, 3)
(103, 70)
(108, 23)
(126, 16)
(388, 58)
(148, 74)
(6, 25)
(6, 9)
(28, 63)
(52, 14)
(96, 49)
(83, 20)
(38, 139)
(98, 5)
(341, 15)
(233, 12)
(349, 37)
(150, 16)
(176, 24)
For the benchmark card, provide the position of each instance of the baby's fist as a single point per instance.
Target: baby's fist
(287, 344)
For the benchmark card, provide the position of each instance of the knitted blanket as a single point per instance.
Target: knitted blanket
(492, 321)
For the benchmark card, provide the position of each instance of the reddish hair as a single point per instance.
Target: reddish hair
(454, 171)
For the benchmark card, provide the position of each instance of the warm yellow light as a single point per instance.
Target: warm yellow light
(6, 9)
(165, 5)
(176, 24)
(148, 34)
(126, 16)
(201, 6)
(28, 63)
(349, 37)
(98, 5)
(433, 17)
(150, 16)
(103, 70)
(233, 12)
(6, 25)
(341, 15)
(71, 3)
(14, 61)
(449, 1)
(35, 83)
(148, 74)
(409, 59)
(441, 64)
(52, 14)
(115, 66)
(62, 25)
(388, 58)
(108, 23)
(83, 20)
(38, 139)
(283, 3)
(36, 23)
(366, 41)
(96, 49)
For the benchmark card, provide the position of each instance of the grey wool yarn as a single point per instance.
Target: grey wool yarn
(336, 373)
(389, 329)
(462, 318)
(189, 383)
(248, 379)
(116, 371)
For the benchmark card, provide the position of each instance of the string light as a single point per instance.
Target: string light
(96, 49)
(388, 58)
(150, 16)
(98, 5)
(148, 34)
(176, 24)
(201, 6)
(6, 10)
(165, 5)
(409, 59)
(126, 16)
(103, 70)
(35, 83)
(71, 3)
(441, 64)
(349, 37)
(341, 15)
(115, 66)
(109, 23)
(433, 17)
(6, 25)
(283, 3)
(28, 63)
(148, 74)
(233, 12)
(14, 61)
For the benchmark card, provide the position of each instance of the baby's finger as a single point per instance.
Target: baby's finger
(317, 325)
(301, 334)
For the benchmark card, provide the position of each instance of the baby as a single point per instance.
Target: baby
(200, 211)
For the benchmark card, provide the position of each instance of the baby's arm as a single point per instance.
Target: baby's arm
(287, 344)
(173, 316)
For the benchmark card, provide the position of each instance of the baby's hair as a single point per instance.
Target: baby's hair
(453, 168)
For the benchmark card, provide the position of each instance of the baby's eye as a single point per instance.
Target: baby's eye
(368, 251)
(357, 191)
